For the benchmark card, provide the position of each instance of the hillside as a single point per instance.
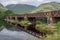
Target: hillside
(47, 7)
(21, 8)
(2, 8)
(1, 5)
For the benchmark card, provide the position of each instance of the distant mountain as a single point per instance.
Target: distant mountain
(47, 7)
(21, 8)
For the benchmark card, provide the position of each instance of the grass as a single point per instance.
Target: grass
(55, 36)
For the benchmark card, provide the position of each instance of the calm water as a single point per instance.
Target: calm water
(15, 35)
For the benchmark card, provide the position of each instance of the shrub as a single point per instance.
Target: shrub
(56, 36)
(14, 21)
(57, 25)
(41, 27)
(24, 23)
(45, 28)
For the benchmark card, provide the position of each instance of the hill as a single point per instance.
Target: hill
(47, 7)
(2, 8)
(21, 8)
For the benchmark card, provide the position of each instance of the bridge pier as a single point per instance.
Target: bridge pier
(50, 20)
(10, 17)
(16, 18)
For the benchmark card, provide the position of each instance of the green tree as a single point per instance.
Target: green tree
(3, 15)
(57, 25)
(9, 12)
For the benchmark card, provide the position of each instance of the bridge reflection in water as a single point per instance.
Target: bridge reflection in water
(51, 17)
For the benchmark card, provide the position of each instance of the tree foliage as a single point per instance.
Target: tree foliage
(8, 12)
(45, 28)
(57, 25)
(3, 14)
(25, 23)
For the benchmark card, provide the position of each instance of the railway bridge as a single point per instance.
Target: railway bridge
(51, 17)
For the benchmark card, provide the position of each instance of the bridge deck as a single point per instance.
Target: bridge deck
(41, 14)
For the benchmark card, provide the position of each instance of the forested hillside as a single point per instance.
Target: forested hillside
(47, 7)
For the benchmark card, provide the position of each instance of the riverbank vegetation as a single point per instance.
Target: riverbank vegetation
(52, 31)
(3, 14)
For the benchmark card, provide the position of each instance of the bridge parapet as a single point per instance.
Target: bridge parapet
(55, 14)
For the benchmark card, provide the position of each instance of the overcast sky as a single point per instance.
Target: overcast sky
(29, 2)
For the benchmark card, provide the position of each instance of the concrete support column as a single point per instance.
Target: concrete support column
(10, 17)
(7, 18)
(16, 18)
(50, 20)
(25, 18)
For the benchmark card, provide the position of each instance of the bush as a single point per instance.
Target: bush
(41, 27)
(57, 25)
(45, 28)
(24, 23)
(51, 37)
(14, 21)
(56, 36)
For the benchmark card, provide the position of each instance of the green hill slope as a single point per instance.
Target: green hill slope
(2, 8)
(47, 7)
(21, 8)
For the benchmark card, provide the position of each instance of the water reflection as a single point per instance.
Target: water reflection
(17, 35)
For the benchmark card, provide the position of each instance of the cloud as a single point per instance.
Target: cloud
(30, 2)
